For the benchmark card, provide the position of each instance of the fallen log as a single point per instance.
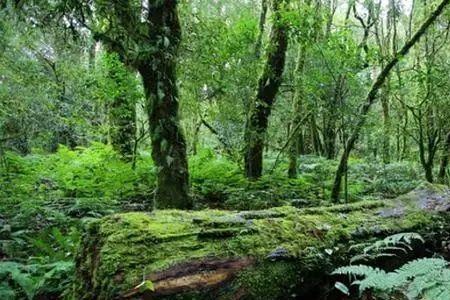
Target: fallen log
(212, 254)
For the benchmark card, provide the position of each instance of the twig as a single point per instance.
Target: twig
(297, 127)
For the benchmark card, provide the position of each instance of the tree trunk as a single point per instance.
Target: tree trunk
(296, 146)
(371, 97)
(268, 85)
(330, 118)
(159, 79)
(262, 25)
(386, 124)
(442, 177)
(269, 254)
(429, 172)
(315, 137)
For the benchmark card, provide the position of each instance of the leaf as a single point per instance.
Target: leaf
(342, 287)
(166, 42)
(6, 292)
(146, 285)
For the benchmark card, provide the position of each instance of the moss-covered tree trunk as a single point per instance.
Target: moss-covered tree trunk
(268, 85)
(147, 39)
(331, 117)
(269, 254)
(160, 83)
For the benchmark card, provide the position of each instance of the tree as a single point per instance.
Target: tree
(268, 85)
(372, 95)
(146, 38)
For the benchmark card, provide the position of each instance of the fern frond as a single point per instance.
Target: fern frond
(404, 239)
(437, 293)
(379, 281)
(420, 267)
(358, 270)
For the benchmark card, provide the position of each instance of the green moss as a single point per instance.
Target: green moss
(269, 280)
(128, 246)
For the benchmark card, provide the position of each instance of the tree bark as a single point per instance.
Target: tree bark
(386, 124)
(442, 176)
(268, 85)
(262, 25)
(371, 97)
(159, 79)
(296, 146)
(157, 40)
(315, 136)
(331, 117)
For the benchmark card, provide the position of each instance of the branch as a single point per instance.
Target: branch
(226, 146)
(297, 127)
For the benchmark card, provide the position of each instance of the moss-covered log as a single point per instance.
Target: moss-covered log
(239, 255)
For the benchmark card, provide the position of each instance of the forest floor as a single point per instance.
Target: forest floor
(46, 199)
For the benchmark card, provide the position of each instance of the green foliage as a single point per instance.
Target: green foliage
(212, 176)
(47, 273)
(92, 172)
(391, 246)
(272, 191)
(18, 277)
(425, 278)
(43, 265)
(58, 86)
(21, 281)
(386, 181)
(218, 182)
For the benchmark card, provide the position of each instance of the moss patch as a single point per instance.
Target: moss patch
(120, 250)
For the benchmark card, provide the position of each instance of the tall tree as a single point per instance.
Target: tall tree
(268, 85)
(262, 25)
(146, 37)
(372, 96)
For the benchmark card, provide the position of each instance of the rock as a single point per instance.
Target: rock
(278, 254)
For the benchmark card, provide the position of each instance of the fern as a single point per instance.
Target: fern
(425, 279)
(360, 270)
(19, 281)
(390, 246)
(420, 267)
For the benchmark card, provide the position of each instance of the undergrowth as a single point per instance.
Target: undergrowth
(44, 199)
(423, 278)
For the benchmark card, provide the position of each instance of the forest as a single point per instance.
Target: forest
(225, 149)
